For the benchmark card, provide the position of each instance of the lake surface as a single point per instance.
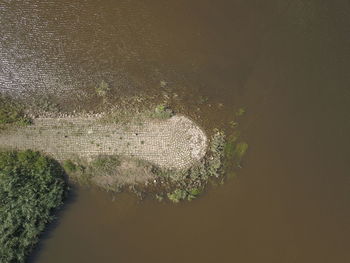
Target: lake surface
(286, 62)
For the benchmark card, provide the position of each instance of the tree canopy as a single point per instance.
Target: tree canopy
(32, 186)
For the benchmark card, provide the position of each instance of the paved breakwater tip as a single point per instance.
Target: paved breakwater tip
(174, 143)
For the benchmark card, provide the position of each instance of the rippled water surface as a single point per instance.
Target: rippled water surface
(286, 62)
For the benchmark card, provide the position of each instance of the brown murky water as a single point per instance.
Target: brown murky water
(287, 62)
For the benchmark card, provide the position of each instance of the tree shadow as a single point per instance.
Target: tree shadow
(51, 227)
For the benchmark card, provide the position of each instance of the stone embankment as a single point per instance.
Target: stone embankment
(174, 143)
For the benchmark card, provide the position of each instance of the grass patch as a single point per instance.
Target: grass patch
(31, 188)
(69, 166)
(162, 112)
(105, 164)
(12, 113)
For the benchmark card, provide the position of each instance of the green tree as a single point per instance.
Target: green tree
(32, 187)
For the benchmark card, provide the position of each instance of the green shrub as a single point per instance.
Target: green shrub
(177, 195)
(162, 112)
(181, 194)
(193, 193)
(217, 148)
(32, 186)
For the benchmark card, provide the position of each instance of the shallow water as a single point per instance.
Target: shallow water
(285, 61)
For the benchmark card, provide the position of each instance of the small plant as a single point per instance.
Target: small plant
(102, 89)
(233, 124)
(193, 193)
(181, 194)
(162, 112)
(159, 197)
(163, 83)
(240, 112)
(202, 100)
(46, 104)
(177, 195)
(69, 166)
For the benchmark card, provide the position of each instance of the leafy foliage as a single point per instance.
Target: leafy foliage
(32, 186)
(181, 194)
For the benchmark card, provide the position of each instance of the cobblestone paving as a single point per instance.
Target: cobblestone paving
(173, 143)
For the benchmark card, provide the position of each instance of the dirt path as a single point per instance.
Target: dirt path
(173, 143)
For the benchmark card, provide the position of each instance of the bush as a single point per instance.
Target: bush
(162, 112)
(32, 186)
(177, 195)
(181, 194)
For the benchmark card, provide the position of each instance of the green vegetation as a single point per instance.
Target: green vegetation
(240, 112)
(202, 100)
(32, 187)
(187, 185)
(180, 194)
(102, 89)
(233, 124)
(234, 150)
(241, 149)
(12, 113)
(223, 154)
(46, 104)
(177, 195)
(162, 112)
(69, 166)
(230, 147)
(102, 166)
(215, 161)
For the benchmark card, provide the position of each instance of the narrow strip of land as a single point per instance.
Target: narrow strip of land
(174, 143)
